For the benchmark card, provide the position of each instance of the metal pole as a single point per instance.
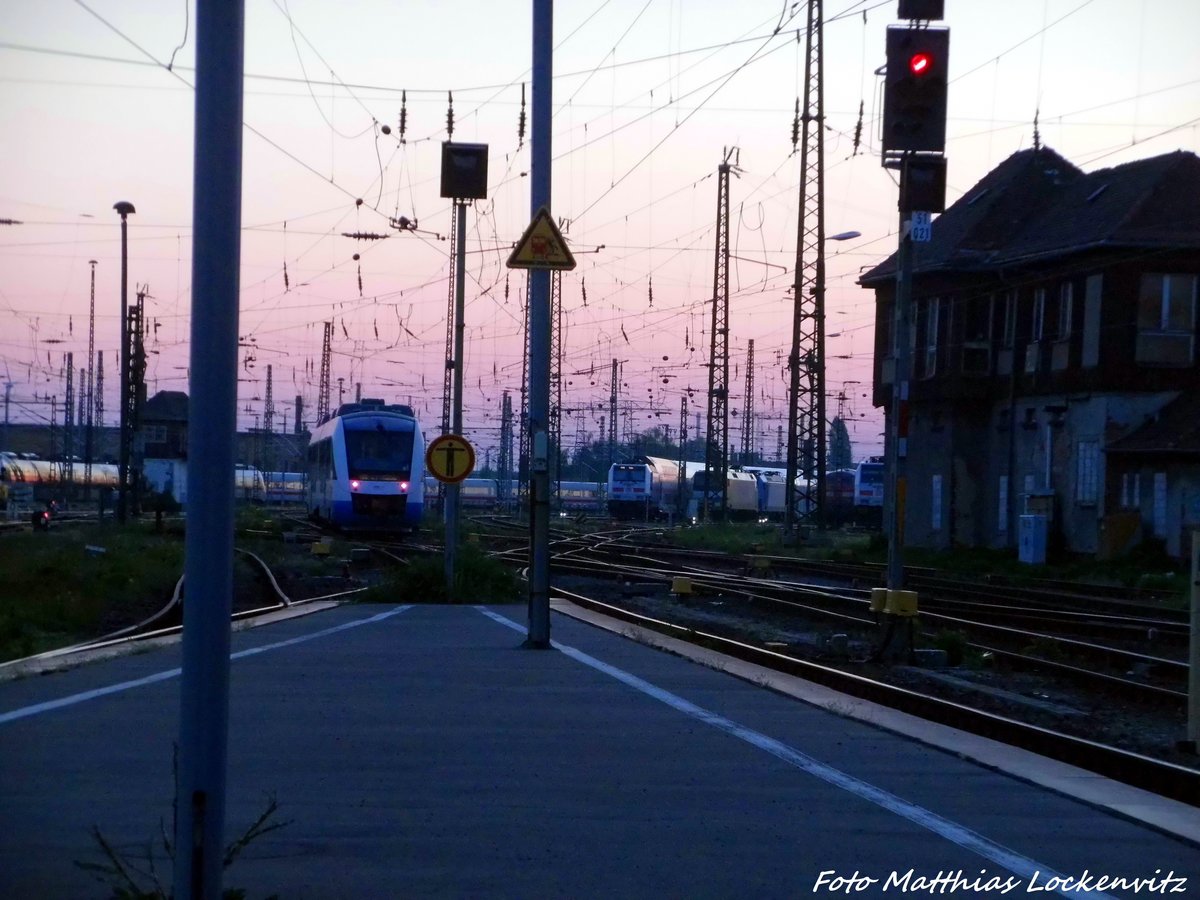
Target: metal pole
(897, 447)
(456, 412)
(212, 416)
(539, 335)
(123, 209)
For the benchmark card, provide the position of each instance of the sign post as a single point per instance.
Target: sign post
(450, 458)
(540, 249)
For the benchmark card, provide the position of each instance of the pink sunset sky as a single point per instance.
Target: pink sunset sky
(648, 94)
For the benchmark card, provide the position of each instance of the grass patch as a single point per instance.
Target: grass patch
(737, 538)
(54, 591)
(478, 579)
(753, 537)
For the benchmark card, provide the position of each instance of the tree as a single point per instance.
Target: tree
(840, 455)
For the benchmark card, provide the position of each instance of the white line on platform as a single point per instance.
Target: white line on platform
(38, 708)
(952, 831)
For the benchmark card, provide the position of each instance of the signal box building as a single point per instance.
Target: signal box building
(1054, 358)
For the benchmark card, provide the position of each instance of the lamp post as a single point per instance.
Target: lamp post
(123, 209)
(814, 359)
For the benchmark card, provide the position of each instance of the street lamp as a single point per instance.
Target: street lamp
(814, 361)
(123, 209)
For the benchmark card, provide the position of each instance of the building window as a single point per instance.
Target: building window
(1087, 473)
(977, 336)
(932, 309)
(1066, 305)
(1010, 319)
(1166, 320)
(1038, 321)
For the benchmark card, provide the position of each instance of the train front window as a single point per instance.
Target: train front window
(628, 473)
(379, 455)
(872, 475)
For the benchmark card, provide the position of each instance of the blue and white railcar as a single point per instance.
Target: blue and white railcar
(868, 482)
(741, 493)
(366, 468)
(580, 497)
(284, 487)
(479, 493)
(249, 483)
(645, 489)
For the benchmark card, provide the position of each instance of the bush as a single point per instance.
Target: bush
(478, 579)
(955, 645)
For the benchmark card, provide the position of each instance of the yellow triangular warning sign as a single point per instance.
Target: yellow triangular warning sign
(541, 246)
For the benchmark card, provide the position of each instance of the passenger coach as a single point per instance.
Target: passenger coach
(366, 467)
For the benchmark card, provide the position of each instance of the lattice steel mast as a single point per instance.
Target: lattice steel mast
(504, 464)
(323, 384)
(748, 407)
(556, 361)
(98, 401)
(613, 396)
(448, 378)
(716, 451)
(681, 495)
(523, 452)
(68, 465)
(135, 398)
(806, 364)
(269, 423)
(89, 389)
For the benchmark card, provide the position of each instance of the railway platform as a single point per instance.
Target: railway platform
(419, 751)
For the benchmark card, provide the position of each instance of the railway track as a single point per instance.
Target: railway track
(1097, 666)
(611, 556)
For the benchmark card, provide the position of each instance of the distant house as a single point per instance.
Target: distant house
(1054, 353)
(164, 425)
(164, 435)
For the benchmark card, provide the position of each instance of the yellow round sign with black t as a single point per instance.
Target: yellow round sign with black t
(450, 458)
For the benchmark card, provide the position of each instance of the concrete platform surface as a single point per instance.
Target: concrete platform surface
(420, 752)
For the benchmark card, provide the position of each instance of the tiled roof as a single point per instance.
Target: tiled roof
(1036, 205)
(1175, 430)
(166, 406)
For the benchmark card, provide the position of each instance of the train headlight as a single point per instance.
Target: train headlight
(354, 485)
(404, 487)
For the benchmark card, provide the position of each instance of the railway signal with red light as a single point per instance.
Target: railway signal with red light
(914, 100)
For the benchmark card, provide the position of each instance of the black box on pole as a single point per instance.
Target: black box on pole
(464, 171)
(924, 10)
(923, 184)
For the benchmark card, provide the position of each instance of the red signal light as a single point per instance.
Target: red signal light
(920, 64)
